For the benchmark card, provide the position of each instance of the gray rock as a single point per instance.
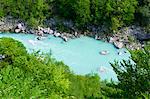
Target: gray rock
(118, 44)
(2, 23)
(17, 30)
(51, 31)
(65, 38)
(19, 26)
(40, 33)
(120, 53)
(104, 52)
(57, 34)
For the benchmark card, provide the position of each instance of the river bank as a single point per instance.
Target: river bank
(129, 37)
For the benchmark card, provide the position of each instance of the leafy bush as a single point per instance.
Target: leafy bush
(85, 87)
(134, 78)
(11, 49)
(29, 11)
(116, 13)
(29, 76)
(143, 12)
(76, 10)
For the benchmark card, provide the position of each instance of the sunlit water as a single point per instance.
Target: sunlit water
(81, 54)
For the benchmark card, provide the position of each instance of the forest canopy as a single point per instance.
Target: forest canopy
(111, 13)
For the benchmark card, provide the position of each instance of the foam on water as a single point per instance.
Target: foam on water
(81, 54)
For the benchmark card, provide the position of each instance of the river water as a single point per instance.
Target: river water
(81, 54)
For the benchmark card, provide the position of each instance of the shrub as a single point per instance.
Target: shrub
(11, 49)
(143, 12)
(29, 76)
(116, 13)
(134, 77)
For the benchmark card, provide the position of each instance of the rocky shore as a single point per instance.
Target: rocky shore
(130, 37)
(9, 24)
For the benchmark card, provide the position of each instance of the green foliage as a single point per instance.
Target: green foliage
(94, 11)
(33, 22)
(77, 10)
(11, 49)
(29, 10)
(143, 12)
(134, 77)
(116, 13)
(111, 13)
(110, 89)
(28, 76)
(85, 87)
(65, 8)
(82, 9)
(1, 13)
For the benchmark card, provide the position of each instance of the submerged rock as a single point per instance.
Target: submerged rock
(104, 52)
(120, 53)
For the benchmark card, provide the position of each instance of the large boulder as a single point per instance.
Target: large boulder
(118, 44)
(65, 38)
(40, 33)
(19, 26)
(57, 34)
(2, 23)
(17, 30)
(111, 40)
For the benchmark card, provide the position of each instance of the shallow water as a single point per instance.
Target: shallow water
(81, 54)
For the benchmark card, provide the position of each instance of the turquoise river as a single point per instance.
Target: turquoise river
(80, 54)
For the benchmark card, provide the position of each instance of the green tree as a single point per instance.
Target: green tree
(82, 9)
(94, 11)
(76, 10)
(11, 49)
(143, 12)
(134, 78)
(26, 10)
(117, 13)
(28, 75)
(85, 87)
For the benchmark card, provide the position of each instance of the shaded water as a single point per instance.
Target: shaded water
(81, 54)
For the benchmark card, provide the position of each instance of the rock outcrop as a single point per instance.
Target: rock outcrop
(118, 44)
